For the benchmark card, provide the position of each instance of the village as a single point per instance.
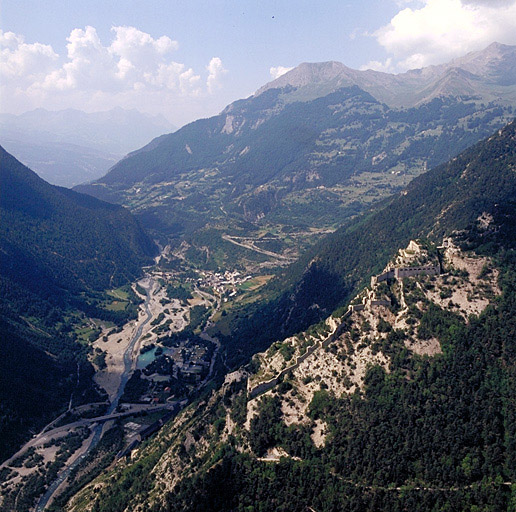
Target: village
(165, 373)
(222, 282)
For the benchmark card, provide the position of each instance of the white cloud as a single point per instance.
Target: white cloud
(24, 62)
(90, 65)
(139, 48)
(439, 30)
(277, 71)
(216, 71)
(133, 70)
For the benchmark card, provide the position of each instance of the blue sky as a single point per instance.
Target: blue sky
(188, 59)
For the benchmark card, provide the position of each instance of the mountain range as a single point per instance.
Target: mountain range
(406, 403)
(332, 382)
(313, 147)
(489, 75)
(68, 147)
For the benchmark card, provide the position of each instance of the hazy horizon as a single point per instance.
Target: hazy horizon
(188, 61)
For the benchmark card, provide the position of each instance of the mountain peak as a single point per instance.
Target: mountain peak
(493, 61)
(499, 46)
(493, 69)
(313, 73)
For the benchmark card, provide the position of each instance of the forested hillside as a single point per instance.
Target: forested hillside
(68, 239)
(449, 197)
(60, 250)
(427, 434)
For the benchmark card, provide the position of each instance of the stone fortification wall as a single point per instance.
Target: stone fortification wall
(265, 386)
(393, 273)
(386, 275)
(429, 270)
(382, 277)
(400, 273)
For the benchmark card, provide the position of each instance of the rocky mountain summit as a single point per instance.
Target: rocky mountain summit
(488, 74)
(341, 348)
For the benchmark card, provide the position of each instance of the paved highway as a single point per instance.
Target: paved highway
(48, 435)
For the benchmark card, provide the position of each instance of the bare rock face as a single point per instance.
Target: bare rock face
(496, 62)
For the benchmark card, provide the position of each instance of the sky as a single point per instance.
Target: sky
(188, 59)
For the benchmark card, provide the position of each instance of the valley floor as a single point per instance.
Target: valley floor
(69, 439)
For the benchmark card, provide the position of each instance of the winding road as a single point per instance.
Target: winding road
(248, 244)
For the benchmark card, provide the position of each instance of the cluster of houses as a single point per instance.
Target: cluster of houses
(188, 361)
(191, 371)
(222, 282)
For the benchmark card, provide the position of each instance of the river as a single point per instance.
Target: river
(148, 285)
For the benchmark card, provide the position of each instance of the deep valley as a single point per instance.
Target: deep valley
(304, 303)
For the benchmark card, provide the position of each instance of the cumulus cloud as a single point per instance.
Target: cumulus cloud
(277, 71)
(24, 62)
(138, 47)
(90, 65)
(133, 60)
(439, 30)
(133, 69)
(216, 71)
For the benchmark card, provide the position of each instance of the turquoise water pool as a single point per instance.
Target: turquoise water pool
(148, 357)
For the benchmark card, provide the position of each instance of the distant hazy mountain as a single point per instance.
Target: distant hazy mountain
(314, 146)
(68, 147)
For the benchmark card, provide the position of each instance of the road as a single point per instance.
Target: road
(247, 244)
(205, 336)
(48, 435)
(148, 284)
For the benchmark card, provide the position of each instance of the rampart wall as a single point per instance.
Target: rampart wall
(400, 273)
(259, 389)
(396, 273)
(429, 270)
